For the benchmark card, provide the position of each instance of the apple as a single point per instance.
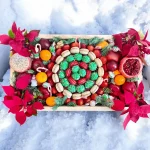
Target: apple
(112, 65)
(113, 56)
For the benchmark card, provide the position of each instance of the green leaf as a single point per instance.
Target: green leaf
(133, 79)
(31, 71)
(69, 41)
(36, 40)
(55, 107)
(46, 62)
(11, 34)
(84, 41)
(105, 50)
(71, 104)
(95, 41)
(60, 100)
(107, 90)
(25, 33)
(52, 49)
(56, 39)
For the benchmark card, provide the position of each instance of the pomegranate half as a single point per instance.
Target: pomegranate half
(130, 67)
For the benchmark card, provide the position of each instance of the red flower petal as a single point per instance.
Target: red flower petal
(38, 105)
(133, 32)
(24, 52)
(28, 96)
(19, 35)
(134, 51)
(135, 119)
(16, 46)
(21, 117)
(118, 40)
(129, 97)
(145, 36)
(23, 81)
(9, 90)
(4, 39)
(32, 35)
(125, 49)
(126, 121)
(140, 88)
(14, 28)
(15, 109)
(30, 110)
(118, 105)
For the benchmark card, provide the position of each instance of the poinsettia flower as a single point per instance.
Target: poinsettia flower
(137, 106)
(18, 41)
(23, 81)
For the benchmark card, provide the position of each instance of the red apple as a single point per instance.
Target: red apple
(112, 65)
(113, 56)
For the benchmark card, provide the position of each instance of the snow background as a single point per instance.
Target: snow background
(72, 130)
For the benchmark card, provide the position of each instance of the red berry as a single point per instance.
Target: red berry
(93, 96)
(105, 67)
(50, 65)
(50, 81)
(68, 72)
(72, 81)
(66, 47)
(73, 63)
(103, 59)
(90, 47)
(75, 44)
(80, 102)
(67, 100)
(44, 92)
(54, 90)
(49, 73)
(97, 53)
(100, 91)
(53, 58)
(104, 84)
(81, 81)
(83, 65)
(58, 51)
(60, 95)
(87, 100)
(74, 101)
(88, 74)
(82, 45)
(106, 75)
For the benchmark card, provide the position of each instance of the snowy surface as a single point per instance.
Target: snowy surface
(73, 130)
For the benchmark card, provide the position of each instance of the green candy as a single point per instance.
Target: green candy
(65, 82)
(61, 74)
(64, 65)
(82, 72)
(75, 69)
(76, 76)
(92, 66)
(80, 88)
(89, 84)
(86, 59)
(78, 57)
(70, 58)
(72, 88)
(94, 76)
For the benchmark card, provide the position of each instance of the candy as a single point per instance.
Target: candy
(98, 62)
(88, 74)
(83, 65)
(65, 82)
(76, 96)
(86, 59)
(82, 72)
(72, 88)
(75, 76)
(55, 78)
(81, 81)
(61, 74)
(59, 87)
(70, 58)
(64, 65)
(75, 69)
(73, 63)
(72, 81)
(94, 89)
(94, 76)
(68, 72)
(92, 66)
(86, 94)
(65, 53)
(59, 59)
(67, 93)
(78, 57)
(84, 51)
(92, 55)
(80, 88)
(74, 50)
(92, 103)
(55, 68)
(89, 84)
(99, 81)
(100, 71)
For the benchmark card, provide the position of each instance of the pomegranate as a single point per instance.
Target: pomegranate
(130, 67)
(112, 65)
(129, 86)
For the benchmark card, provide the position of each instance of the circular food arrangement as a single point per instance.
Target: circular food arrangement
(87, 71)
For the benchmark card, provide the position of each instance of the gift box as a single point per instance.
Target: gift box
(76, 73)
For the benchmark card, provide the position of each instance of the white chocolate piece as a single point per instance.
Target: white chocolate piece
(87, 104)
(59, 59)
(55, 78)
(76, 96)
(59, 87)
(92, 55)
(99, 81)
(65, 53)
(55, 68)
(92, 103)
(98, 62)
(84, 51)
(86, 94)
(74, 50)
(100, 71)
(67, 93)
(94, 89)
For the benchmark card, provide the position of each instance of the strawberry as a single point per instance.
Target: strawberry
(118, 105)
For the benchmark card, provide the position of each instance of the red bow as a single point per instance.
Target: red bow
(137, 106)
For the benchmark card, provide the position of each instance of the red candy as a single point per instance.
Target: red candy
(74, 63)
(50, 65)
(68, 72)
(83, 65)
(88, 74)
(81, 81)
(72, 81)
